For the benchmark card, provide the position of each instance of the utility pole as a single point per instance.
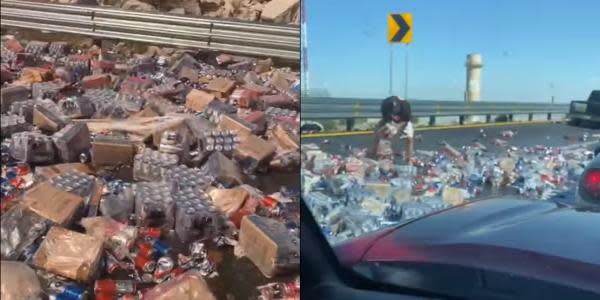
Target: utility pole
(305, 82)
(391, 68)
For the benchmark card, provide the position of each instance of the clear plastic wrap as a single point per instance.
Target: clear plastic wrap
(32, 147)
(117, 237)
(19, 282)
(71, 141)
(154, 205)
(152, 165)
(119, 205)
(69, 254)
(184, 177)
(225, 171)
(75, 182)
(195, 217)
(19, 229)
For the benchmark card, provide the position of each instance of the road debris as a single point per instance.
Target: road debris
(353, 195)
(131, 175)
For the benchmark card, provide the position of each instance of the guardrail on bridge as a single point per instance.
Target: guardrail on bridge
(316, 108)
(236, 37)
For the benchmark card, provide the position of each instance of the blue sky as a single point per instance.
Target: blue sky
(528, 46)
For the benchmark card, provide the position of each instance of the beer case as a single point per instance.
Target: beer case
(46, 172)
(253, 152)
(223, 170)
(269, 245)
(24, 224)
(232, 122)
(52, 203)
(69, 254)
(71, 141)
(11, 94)
(47, 116)
(286, 139)
(111, 150)
(32, 147)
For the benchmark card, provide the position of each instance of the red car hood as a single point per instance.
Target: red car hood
(507, 235)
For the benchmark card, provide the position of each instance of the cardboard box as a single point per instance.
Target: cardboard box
(286, 140)
(229, 201)
(52, 203)
(70, 254)
(112, 151)
(253, 152)
(221, 85)
(269, 245)
(190, 73)
(198, 100)
(230, 122)
(188, 286)
(46, 119)
(96, 81)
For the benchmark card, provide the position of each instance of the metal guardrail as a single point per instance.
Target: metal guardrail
(235, 37)
(350, 109)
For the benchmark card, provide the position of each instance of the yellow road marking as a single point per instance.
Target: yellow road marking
(443, 127)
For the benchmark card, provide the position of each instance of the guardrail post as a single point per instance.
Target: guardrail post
(549, 116)
(461, 120)
(488, 118)
(530, 117)
(431, 120)
(349, 124)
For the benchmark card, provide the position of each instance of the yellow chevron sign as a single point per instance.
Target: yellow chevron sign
(400, 28)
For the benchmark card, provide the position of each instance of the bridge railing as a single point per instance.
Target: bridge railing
(236, 37)
(317, 108)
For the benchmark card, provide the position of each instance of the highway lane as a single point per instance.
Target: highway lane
(549, 134)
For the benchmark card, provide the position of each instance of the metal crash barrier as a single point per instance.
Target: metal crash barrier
(236, 37)
(348, 109)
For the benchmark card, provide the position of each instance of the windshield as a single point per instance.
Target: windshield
(489, 91)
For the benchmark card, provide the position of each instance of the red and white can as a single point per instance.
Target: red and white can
(114, 287)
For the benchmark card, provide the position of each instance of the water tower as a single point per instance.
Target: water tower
(474, 65)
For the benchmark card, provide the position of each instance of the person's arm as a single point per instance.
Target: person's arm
(409, 150)
(402, 127)
(379, 133)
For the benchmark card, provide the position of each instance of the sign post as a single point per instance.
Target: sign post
(400, 31)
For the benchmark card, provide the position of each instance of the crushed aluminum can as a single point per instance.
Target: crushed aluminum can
(112, 264)
(197, 250)
(164, 266)
(147, 278)
(206, 268)
(144, 263)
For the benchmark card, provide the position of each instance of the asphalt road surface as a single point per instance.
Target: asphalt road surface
(555, 135)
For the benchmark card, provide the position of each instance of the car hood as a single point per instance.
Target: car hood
(497, 233)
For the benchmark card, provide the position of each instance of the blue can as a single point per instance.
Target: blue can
(71, 292)
(160, 248)
(11, 173)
